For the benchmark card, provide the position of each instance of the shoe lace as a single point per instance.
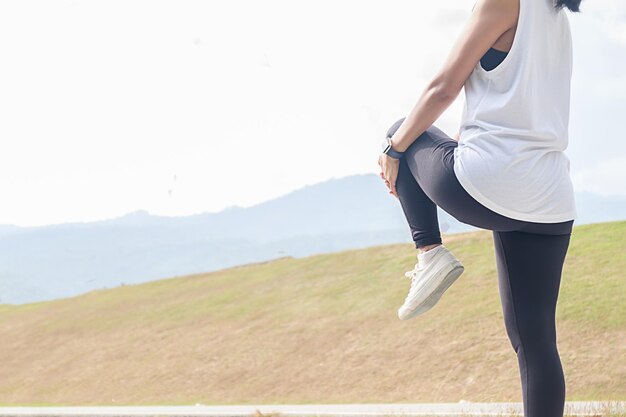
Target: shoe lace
(414, 272)
(413, 275)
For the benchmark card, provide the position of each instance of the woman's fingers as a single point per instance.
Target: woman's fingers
(391, 187)
(393, 190)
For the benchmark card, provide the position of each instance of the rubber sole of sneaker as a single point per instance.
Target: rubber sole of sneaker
(430, 301)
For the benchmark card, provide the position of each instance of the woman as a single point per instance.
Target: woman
(507, 173)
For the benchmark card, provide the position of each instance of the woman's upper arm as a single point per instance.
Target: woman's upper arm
(488, 21)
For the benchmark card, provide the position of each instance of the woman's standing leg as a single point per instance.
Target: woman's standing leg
(529, 269)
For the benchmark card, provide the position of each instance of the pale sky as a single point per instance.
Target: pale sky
(181, 107)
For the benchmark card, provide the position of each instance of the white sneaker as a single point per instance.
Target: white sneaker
(429, 282)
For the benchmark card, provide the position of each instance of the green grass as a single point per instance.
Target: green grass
(319, 329)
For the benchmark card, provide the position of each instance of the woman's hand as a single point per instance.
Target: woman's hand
(389, 171)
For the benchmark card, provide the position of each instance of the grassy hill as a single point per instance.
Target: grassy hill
(317, 329)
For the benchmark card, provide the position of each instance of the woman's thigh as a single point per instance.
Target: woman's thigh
(430, 159)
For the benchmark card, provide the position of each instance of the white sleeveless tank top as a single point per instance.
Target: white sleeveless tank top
(514, 128)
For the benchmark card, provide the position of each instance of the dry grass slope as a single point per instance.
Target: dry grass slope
(320, 329)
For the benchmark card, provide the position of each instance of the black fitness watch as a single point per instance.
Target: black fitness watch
(386, 145)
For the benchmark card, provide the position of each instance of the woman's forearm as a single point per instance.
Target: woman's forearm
(431, 104)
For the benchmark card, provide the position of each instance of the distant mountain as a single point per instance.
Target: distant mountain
(61, 260)
(7, 229)
(593, 208)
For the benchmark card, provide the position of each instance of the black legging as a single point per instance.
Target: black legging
(529, 260)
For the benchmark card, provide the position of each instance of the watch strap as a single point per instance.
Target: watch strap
(392, 152)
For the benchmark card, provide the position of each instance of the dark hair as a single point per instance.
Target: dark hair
(572, 5)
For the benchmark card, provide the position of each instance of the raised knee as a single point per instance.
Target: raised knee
(431, 130)
(394, 127)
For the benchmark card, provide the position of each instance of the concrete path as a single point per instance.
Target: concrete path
(466, 409)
